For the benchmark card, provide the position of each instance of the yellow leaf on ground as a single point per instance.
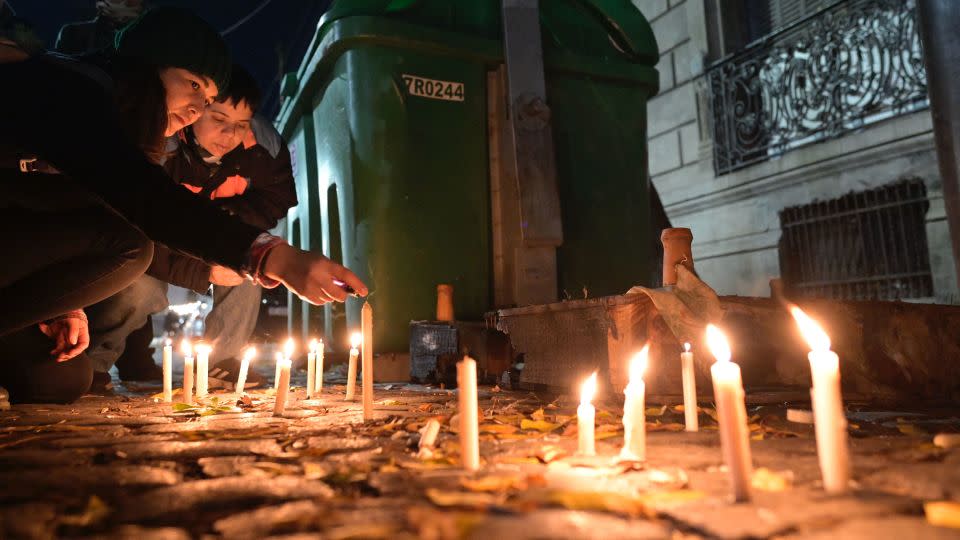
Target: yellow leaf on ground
(537, 414)
(464, 499)
(547, 454)
(656, 411)
(943, 513)
(497, 428)
(909, 429)
(499, 483)
(765, 479)
(540, 425)
(600, 501)
(671, 426)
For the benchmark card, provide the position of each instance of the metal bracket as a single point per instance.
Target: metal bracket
(530, 127)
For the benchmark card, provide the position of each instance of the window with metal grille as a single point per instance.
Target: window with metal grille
(868, 245)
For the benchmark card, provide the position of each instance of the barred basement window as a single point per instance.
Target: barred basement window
(869, 245)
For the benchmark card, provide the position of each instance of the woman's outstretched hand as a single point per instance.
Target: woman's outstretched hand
(310, 275)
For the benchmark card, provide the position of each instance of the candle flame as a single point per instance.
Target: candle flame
(588, 389)
(186, 348)
(686, 347)
(249, 353)
(638, 364)
(818, 340)
(312, 345)
(288, 348)
(278, 357)
(203, 348)
(356, 339)
(167, 342)
(717, 343)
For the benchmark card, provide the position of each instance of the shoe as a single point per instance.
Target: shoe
(137, 363)
(226, 372)
(102, 383)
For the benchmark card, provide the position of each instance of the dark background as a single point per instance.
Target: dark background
(269, 44)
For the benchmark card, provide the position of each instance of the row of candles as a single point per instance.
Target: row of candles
(284, 363)
(729, 398)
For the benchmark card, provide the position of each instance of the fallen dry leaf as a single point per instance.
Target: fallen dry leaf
(598, 501)
(655, 411)
(497, 428)
(943, 513)
(538, 414)
(539, 425)
(464, 499)
(502, 483)
(765, 479)
(671, 426)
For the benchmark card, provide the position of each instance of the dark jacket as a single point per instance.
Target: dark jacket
(85, 37)
(56, 110)
(270, 192)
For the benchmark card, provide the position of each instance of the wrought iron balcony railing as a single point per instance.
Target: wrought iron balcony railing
(851, 64)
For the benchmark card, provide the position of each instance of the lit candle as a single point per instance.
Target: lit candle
(830, 423)
(288, 354)
(689, 389)
(469, 421)
(187, 350)
(244, 368)
(167, 370)
(366, 328)
(311, 367)
(634, 415)
(318, 383)
(203, 367)
(283, 384)
(355, 340)
(731, 413)
(586, 415)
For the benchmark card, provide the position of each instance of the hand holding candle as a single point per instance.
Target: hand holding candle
(311, 368)
(586, 415)
(830, 422)
(355, 340)
(634, 415)
(731, 413)
(167, 370)
(187, 350)
(248, 356)
(689, 389)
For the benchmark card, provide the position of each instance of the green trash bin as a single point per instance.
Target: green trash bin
(387, 121)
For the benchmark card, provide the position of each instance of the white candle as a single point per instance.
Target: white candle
(355, 340)
(830, 422)
(732, 414)
(586, 415)
(318, 382)
(283, 386)
(187, 350)
(634, 415)
(689, 389)
(244, 368)
(168, 370)
(278, 359)
(366, 328)
(288, 354)
(203, 367)
(469, 421)
(311, 368)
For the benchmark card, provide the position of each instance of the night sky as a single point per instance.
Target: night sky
(271, 43)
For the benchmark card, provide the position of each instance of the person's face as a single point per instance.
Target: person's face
(187, 95)
(223, 127)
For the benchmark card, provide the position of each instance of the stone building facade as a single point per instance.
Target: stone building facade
(794, 105)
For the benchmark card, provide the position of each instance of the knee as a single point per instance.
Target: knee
(139, 253)
(55, 382)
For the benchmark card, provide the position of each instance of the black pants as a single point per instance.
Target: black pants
(64, 251)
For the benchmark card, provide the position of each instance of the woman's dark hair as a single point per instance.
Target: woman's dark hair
(243, 87)
(142, 104)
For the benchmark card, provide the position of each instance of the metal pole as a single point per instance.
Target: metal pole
(938, 21)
